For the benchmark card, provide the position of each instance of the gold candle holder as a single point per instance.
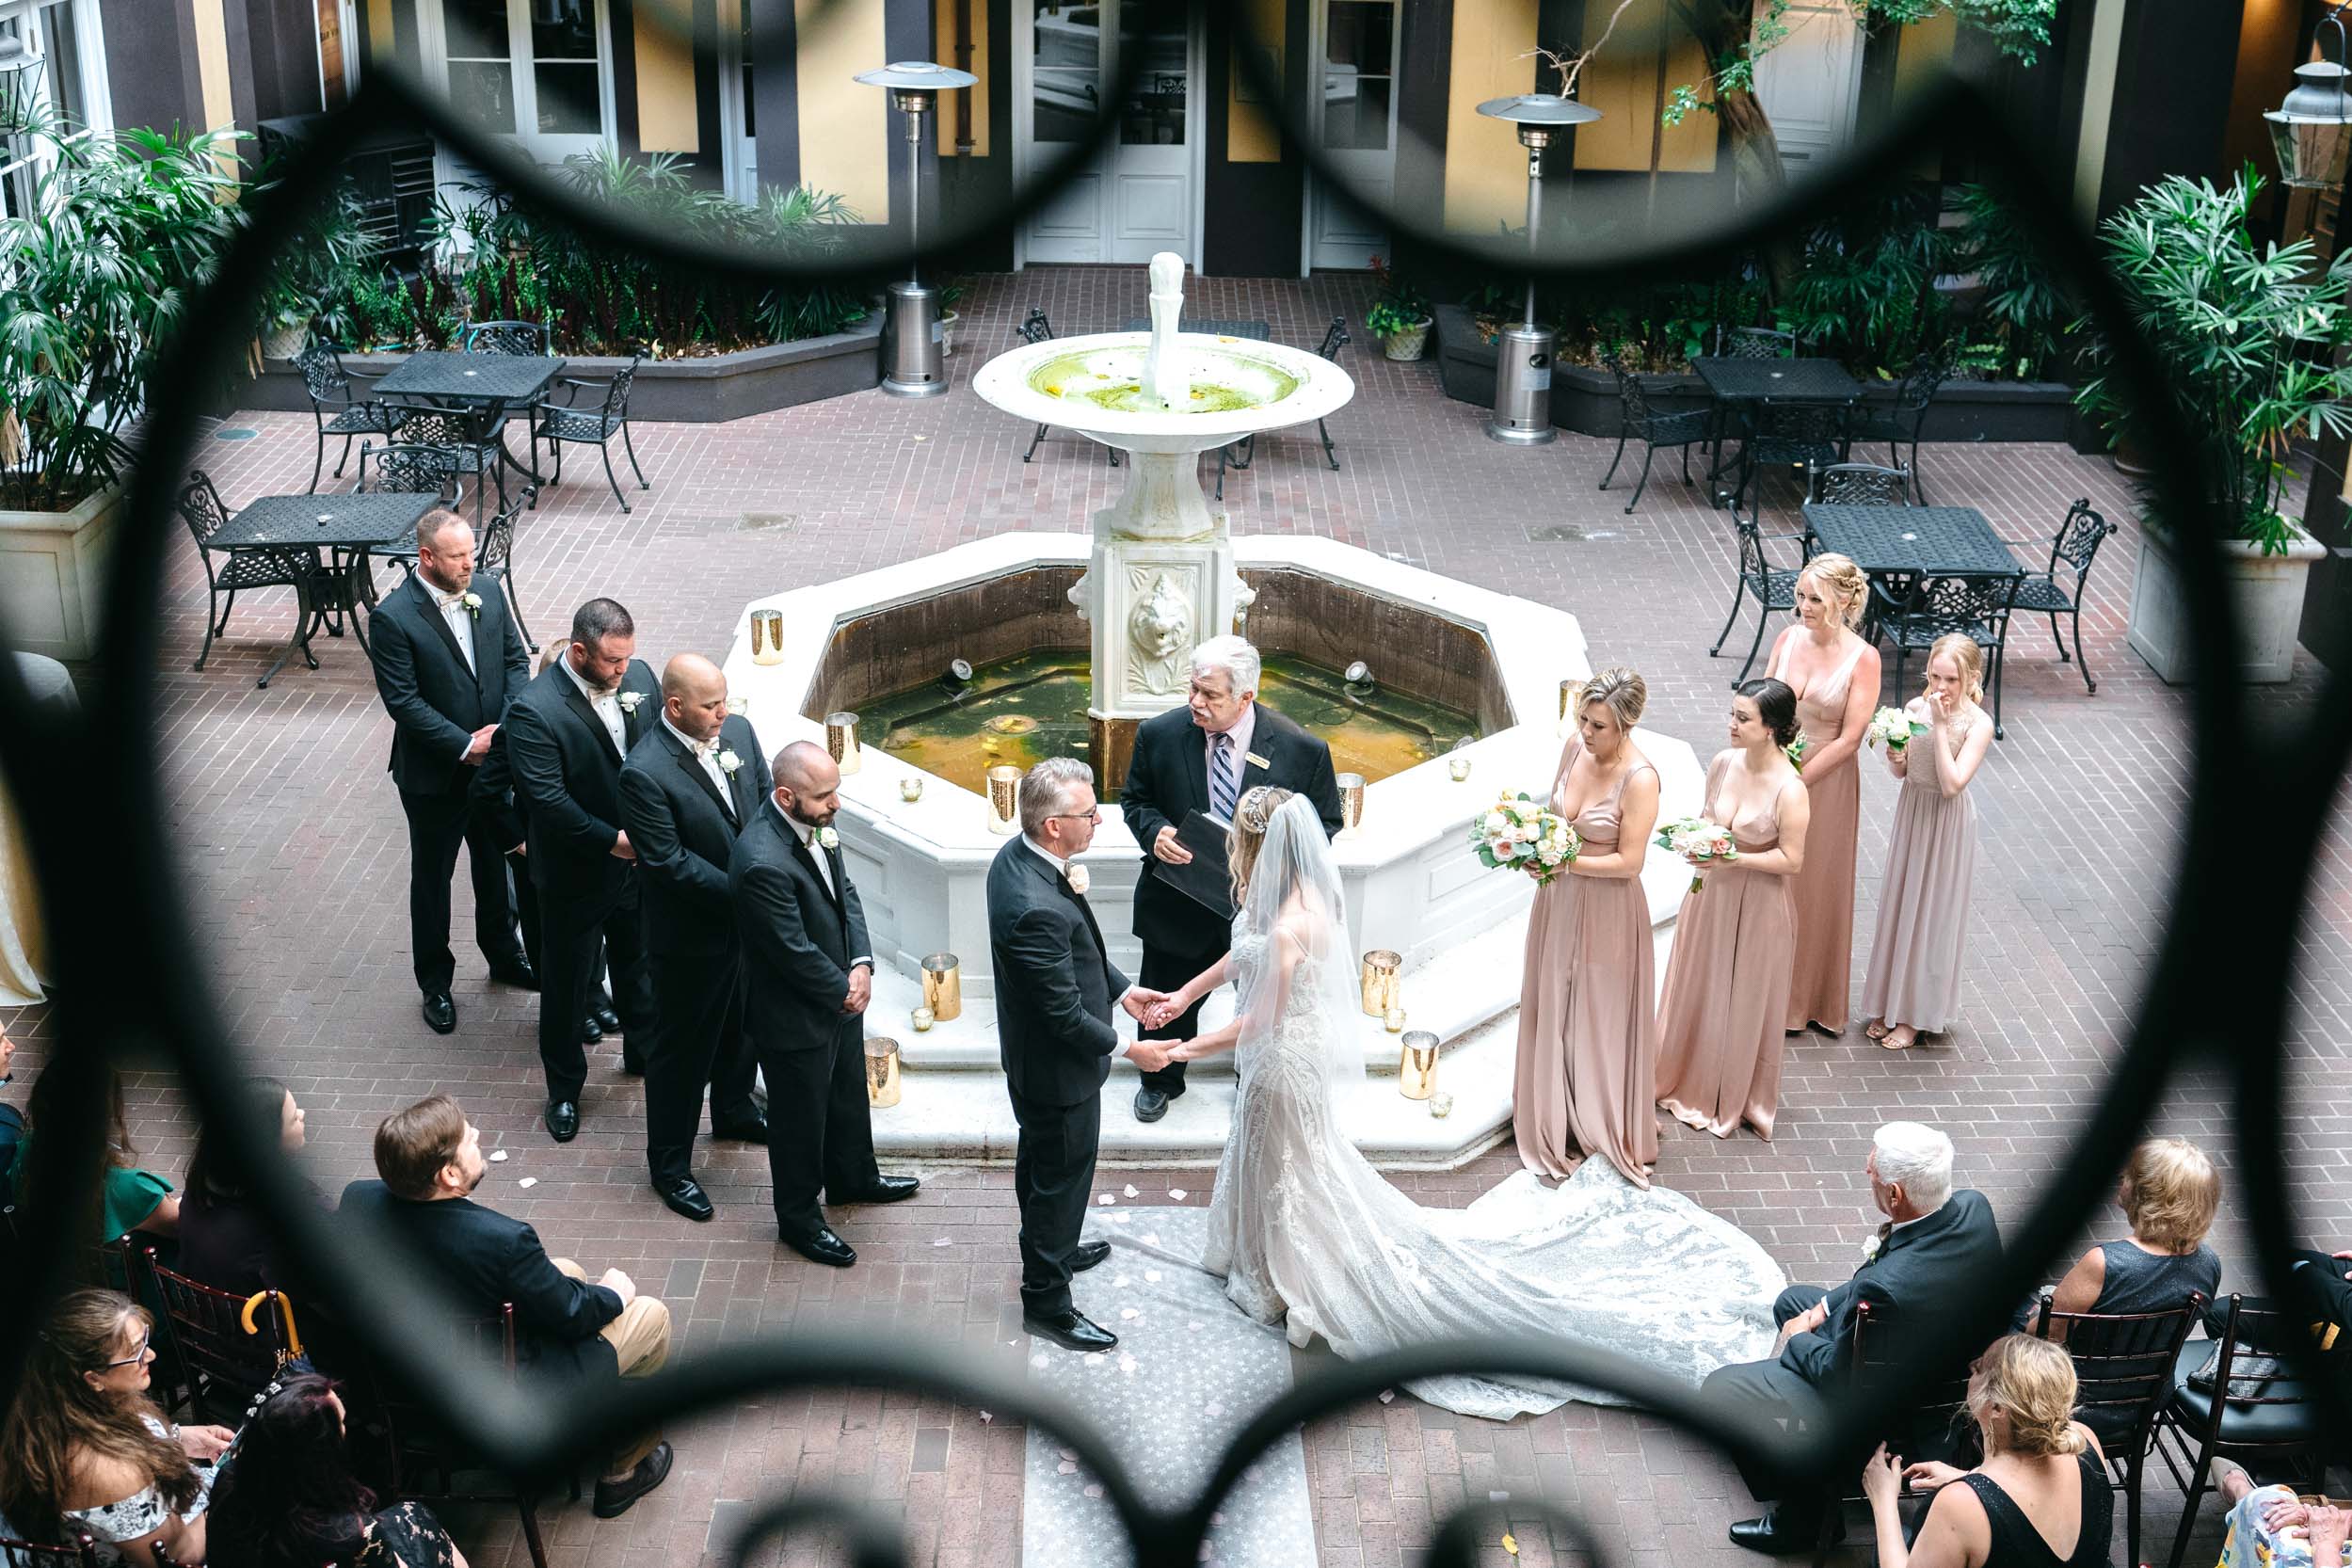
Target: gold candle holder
(1568, 690)
(943, 986)
(911, 787)
(1458, 768)
(922, 1019)
(1351, 803)
(767, 636)
(1416, 1066)
(840, 739)
(1381, 980)
(882, 1075)
(1394, 1018)
(1005, 793)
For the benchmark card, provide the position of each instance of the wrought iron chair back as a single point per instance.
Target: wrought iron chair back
(1860, 485)
(1640, 420)
(1977, 607)
(1754, 343)
(407, 466)
(1773, 587)
(201, 508)
(1035, 328)
(322, 375)
(508, 336)
(2078, 539)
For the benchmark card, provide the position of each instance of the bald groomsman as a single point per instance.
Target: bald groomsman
(686, 790)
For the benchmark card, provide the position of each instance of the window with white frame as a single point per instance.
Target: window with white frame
(67, 65)
(538, 71)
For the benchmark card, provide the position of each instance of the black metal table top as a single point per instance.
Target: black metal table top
(1927, 541)
(492, 378)
(349, 521)
(1208, 327)
(1782, 380)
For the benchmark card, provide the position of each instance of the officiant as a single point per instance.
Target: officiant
(1199, 759)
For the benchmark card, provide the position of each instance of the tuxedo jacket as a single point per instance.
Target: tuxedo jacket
(567, 776)
(1923, 1271)
(1055, 983)
(800, 939)
(1168, 777)
(434, 700)
(487, 1258)
(680, 825)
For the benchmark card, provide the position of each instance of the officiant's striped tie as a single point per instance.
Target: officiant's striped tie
(1223, 779)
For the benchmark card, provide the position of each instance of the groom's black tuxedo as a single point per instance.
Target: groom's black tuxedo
(1166, 779)
(1056, 988)
(567, 783)
(683, 827)
(437, 700)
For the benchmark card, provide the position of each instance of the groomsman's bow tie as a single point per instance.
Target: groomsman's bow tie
(448, 602)
(704, 749)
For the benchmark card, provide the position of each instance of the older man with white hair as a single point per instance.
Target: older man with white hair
(1934, 1250)
(1202, 758)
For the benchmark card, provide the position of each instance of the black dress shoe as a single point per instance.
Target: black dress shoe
(613, 1497)
(591, 1033)
(607, 1020)
(886, 1189)
(440, 1014)
(754, 1130)
(516, 971)
(1087, 1254)
(1780, 1533)
(821, 1246)
(1070, 1330)
(563, 1120)
(1150, 1104)
(684, 1196)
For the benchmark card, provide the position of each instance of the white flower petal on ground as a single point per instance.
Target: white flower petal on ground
(1177, 1193)
(1106, 1200)
(496, 1156)
(1129, 1192)
(528, 1181)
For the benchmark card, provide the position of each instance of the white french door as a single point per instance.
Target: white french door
(537, 71)
(1136, 196)
(1810, 82)
(739, 132)
(1355, 106)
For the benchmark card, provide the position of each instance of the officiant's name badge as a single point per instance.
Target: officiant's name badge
(1255, 760)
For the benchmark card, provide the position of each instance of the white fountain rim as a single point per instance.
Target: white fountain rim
(1323, 386)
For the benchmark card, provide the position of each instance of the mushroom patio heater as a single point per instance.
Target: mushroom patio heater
(913, 356)
(1523, 354)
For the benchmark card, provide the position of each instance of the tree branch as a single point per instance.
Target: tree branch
(1572, 66)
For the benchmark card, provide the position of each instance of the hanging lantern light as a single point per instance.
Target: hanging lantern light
(2313, 129)
(19, 84)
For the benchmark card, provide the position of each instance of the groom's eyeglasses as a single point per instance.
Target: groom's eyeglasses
(1095, 815)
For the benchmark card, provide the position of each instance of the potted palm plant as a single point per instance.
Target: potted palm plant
(121, 231)
(2247, 334)
(1399, 319)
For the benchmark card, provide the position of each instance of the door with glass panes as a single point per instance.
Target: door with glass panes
(1134, 197)
(1354, 106)
(533, 70)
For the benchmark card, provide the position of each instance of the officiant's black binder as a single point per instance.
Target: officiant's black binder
(1206, 879)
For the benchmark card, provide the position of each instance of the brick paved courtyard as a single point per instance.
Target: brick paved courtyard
(295, 853)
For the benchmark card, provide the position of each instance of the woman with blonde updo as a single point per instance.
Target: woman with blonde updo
(1915, 982)
(2041, 1499)
(1588, 1026)
(1834, 673)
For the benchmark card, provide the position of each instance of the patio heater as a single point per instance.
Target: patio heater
(2311, 129)
(1524, 353)
(913, 356)
(19, 84)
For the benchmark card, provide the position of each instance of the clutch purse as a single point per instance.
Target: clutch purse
(2251, 1374)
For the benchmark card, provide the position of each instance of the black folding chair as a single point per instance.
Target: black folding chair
(2124, 1379)
(2272, 1423)
(225, 1364)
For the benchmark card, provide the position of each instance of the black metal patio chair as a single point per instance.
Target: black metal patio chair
(1797, 437)
(337, 408)
(1035, 328)
(468, 444)
(1773, 587)
(563, 424)
(1900, 423)
(1241, 453)
(2074, 548)
(1639, 420)
(1754, 343)
(1859, 485)
(1977, 607)
(272, 566)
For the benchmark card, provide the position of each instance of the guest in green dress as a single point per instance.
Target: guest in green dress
(128, 1198)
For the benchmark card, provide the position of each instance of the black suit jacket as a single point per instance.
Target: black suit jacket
(1923, 1271)
(1055, 983)
(800, 940)
(685, 841)
(435, 702)
(1168, 777)
(488, 1258)
(567, 777)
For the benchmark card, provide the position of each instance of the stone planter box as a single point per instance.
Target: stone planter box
(1584, 399)
(687, 391)
(2269, 592)
(53, 575)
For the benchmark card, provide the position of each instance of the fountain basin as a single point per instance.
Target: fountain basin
(1256, 386)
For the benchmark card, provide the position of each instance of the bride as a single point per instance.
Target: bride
(1308, 1236)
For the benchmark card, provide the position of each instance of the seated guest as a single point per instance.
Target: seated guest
(565, 1328)
(2270, 1526)
(292, 1500)
(85, 1451)
(2041, 1499)
(2170, 1195)
(225, 1239)
(128, 1198)
(1935, 1245)
(11, 1125)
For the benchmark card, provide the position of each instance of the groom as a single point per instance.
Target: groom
(1055, 987)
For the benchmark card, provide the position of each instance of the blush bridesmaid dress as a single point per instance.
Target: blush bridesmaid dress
(1821, 977)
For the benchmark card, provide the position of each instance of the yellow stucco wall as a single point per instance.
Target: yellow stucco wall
(1252, 135)
(1486, 172)
(665, 77)
(1622, 81)
(845, 132)
(976, 15)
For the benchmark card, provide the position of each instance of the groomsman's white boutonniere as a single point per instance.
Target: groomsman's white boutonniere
(1078, 879)
(472, 601)
(827, 839)
(1870, 1248)
(729, 762)
(629, 701)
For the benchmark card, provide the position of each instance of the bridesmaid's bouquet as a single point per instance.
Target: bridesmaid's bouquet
(1894, 728)
(1700, 838)
(1519, 833)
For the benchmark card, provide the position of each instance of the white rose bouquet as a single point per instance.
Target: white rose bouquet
(1700, 839)
(1518, 832)
(1892, 729)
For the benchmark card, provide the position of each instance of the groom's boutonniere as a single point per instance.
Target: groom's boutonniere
(1078, 879)
(473, 602)
(827, 839)
(729, 762)
(629, 701)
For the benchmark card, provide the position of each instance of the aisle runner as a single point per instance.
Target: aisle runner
(1188, 1372)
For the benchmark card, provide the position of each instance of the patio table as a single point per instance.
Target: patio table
(1780, 380)
(492, 383)
(349, 526)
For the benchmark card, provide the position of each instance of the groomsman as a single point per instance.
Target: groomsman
(566, 736)
(1201, 758)
(808, 978)
(447, 660)
(685, 793)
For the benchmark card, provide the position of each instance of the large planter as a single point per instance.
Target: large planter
(1466, 360)
(53, 575)
(2269, 594)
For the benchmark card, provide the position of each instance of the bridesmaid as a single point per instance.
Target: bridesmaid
(1922, 914)
(1587, 1030)
(1834, 673)
(1727, 976)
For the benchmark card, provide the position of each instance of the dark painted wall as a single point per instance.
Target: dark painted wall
(151, 68)
(2172, 84)
(1251, 211)
(774, 89)
(975, 194)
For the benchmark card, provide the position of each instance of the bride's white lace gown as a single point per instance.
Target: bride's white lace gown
(1303, 1229)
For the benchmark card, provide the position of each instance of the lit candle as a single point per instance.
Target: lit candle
(923, 1020)
(1395, 1021)
(1441, 1105)
(1458, 767)
(911, 787)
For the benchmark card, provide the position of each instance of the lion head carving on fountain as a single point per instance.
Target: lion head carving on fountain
(1160, 638)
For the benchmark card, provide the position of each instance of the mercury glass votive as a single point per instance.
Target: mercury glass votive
(1458, 768)
(767, 636)
(1568, 690)
(1004, 792)
(1417, 1065)
(943, 986)
(911, 787)
(1351, 803)
(1441, 1105)
(738, 704)
(882, 1074)
(922, 1019)
(840, 739)
(1381, 980)
(1395, 1021)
